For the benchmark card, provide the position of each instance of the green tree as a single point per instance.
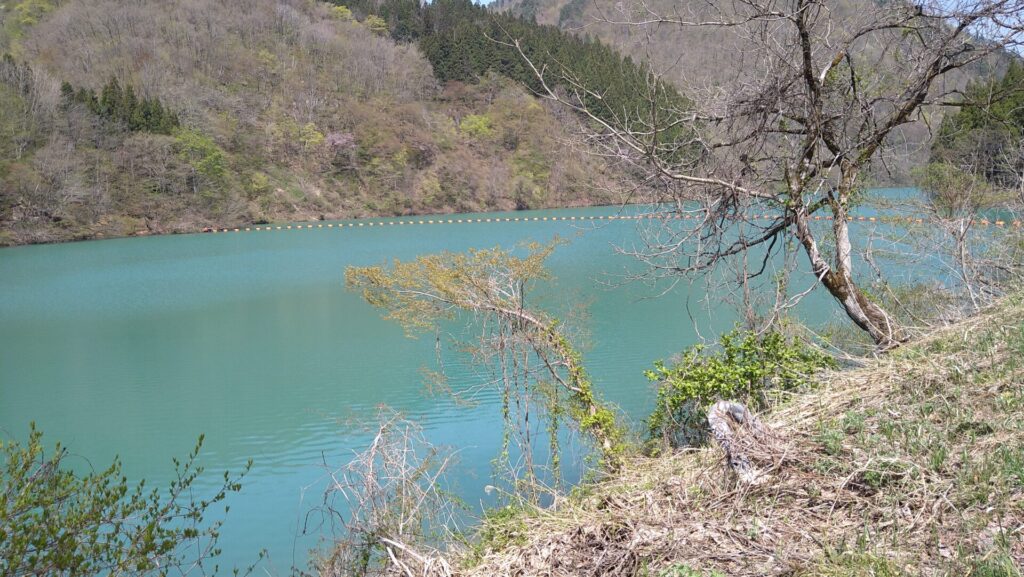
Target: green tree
(207, 160)
(342, 13)
(67, 92)
(984, 137)
(129, 106)
(310, 137)
(376, 24)
(111, 99)
(477, 125)
(54, 521)
(493, 286)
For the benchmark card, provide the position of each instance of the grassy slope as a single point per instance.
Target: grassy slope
(303, 115)
(912, 465)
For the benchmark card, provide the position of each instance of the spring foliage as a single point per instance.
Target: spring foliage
(464, 41)
(288, 109)
(55, 521)
(492, 284)
(746, 368)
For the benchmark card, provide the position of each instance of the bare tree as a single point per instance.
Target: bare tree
(392, 505)
(794, 135)
(977, 258)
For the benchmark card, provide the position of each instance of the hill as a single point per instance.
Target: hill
(160, 117)
(287, 110)
(910, 465)
(704, 61)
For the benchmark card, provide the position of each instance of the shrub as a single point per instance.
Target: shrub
(54, 521)
(376, 24)
(477, 125)
(342, 13)
(747, 368)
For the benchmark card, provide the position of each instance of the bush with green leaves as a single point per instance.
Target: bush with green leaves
(55, 521)
(747, 368)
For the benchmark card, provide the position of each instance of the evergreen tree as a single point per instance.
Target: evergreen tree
(67, 93)
(984, 136)
(110, 99)
(462, 41)
(121, 106)
(127, 111)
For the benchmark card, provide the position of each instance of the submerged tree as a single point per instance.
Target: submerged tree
(527, 349)
(794, 134)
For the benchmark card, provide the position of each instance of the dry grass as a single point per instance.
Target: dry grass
(913, 465)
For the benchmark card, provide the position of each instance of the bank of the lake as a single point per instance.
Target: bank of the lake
(912, 464)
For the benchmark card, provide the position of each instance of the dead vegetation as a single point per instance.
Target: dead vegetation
(912, 465)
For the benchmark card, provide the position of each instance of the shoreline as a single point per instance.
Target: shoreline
(297, 224)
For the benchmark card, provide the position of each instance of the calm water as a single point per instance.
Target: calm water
(133, 347)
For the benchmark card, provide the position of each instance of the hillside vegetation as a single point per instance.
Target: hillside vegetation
(704, 61)
(283, 110)
(300, 109)
(911, 465)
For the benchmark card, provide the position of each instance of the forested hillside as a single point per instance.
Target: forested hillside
(703, 60)
(154, 117)
(464, 41)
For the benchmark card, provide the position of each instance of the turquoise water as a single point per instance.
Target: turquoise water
(133, 347)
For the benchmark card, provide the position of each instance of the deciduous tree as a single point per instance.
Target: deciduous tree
(54, 521)
(794, 134)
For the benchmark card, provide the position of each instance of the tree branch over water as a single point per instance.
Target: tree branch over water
(526, 347)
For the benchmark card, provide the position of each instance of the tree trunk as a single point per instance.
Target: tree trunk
(838, 279)
(865, 313)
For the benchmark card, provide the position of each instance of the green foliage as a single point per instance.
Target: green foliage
(310, 137)
(201, 152)
(996, 565)
(342, 13)
(571, 14)
(983, 137)
(25, 14)
(419, 294)
(376, 24)
(385, 129)
(747, 368)
(954, 191)
(477, 126)
(458, 38)
(259, 184)
(121, 105)
(54, 521)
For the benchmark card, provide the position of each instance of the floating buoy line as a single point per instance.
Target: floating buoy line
(501, 219)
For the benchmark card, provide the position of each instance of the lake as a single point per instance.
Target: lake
(133, 347)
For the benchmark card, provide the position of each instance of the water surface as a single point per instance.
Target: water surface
(133, 347)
